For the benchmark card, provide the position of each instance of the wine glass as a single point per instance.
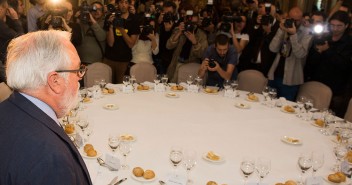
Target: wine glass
(262, 167)
(125, 148)
(300, 104)
(157, 79)
(189, 161)
(113, 141)
(265, 93)
(317, 160)
(176, 156)
(340, 152)
(247, 168)
(308, 105)
(304, 163)
(126, 80)
(164, 79)
(198, 81)
(133, 80)
(234, 84)
(102, 83)
(227, 84)
(189, 80)
(82, 123)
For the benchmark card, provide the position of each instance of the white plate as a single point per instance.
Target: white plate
(283, 110)
(242, 105)
(142, 179)
(222, 159)
(129, 137)
(341, 183)
(172, 95)
(84, 154)
(289, 140)
(111, 106)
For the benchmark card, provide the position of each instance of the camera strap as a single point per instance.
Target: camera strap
(96, 39)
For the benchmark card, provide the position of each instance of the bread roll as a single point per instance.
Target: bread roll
(334, 178)
(149, 174)
(111, 91)
(342, 176)
(179, 87)
(211, 183)
(138, 171)
(319, 122)
(140, 87)
(91, 152)
(212, 156)
(87, 147)
(290, 182)
(69, 128)
(289, 108)
(279, 183)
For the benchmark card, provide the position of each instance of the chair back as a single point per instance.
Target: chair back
(251, 81)
(5, 91)
(318, 92)
(348, 114)
(97, 71)
(187, 69)
(143, 72)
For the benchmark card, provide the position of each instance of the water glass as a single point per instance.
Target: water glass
(304, 163)
(190, 80)
(340, 152)
(113, 141)
(164, 79)
(262, 167)
(300, 104)
(198, 80)
(308, 105)
(133, 80)
(157, 79)
(125, 148)
(126, 80)
(176, 156)
(317, 160)
(189, 162)
(247, 168)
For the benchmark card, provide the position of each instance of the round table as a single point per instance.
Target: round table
(203, 122)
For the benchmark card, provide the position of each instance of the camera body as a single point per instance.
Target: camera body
(118, 21)
(227, 19)
(206, 22)
(267, 19)
(211, 63)
(320, 34)
(189, 25)
(289, 23)
(84, 9)
(169, 17)
(56, 17)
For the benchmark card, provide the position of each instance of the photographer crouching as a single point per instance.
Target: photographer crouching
(91, 21)
(59, 17)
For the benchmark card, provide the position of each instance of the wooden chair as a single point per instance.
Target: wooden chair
(97, 71)
(186, 70)
(348, 114)
(251, 81)
(143, 72)
(5, 91)
(318, 92)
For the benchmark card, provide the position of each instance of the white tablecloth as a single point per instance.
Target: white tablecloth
(203, 122)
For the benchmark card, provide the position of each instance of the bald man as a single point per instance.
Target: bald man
(291, 43)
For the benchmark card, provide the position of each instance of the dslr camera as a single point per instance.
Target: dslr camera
(57, 15)
(267, 18)
(84, 9)
(189, 25)
(118, 21)
(169, 17)
(226, 19)
(147, 28)
(206, 22)
(289, 23)
(320, 34)
(211, 63)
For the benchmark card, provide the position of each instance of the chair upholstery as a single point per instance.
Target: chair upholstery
(143, 72)
(318, 92)
(251, 81)
(98, 71)
(5, 91)
(348, 114)
(187, 69)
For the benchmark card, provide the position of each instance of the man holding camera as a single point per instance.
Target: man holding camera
(189, 43)
(291, 43)
(93, 35)
(122, 34)
(219, 62)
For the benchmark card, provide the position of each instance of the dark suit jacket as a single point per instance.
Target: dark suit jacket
(34, 149)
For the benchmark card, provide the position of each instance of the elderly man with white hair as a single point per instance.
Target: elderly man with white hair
(43, 69)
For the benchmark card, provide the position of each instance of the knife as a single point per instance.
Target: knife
(113, 181)
(120, 181)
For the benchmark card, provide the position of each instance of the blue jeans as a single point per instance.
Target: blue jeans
(287, 91)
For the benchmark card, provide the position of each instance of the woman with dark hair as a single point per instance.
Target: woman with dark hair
(332, 61)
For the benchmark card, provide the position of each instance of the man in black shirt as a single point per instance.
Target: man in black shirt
(122, 35)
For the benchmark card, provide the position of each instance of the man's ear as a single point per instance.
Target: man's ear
(55, 82)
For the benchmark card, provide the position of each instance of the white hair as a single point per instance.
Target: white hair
(32, 56)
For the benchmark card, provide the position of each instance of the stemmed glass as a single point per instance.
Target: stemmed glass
(113, 142)
(300, 104)
(83, 124)
(125, 148)
(102, 83)
(190, 80)
(133, 80)
(198, 81)
(176, 156)
(189, 161)
(227, 84)
(247, 168)
(126, 80)
(265, 93)
(157, 79)
(308, 105)
(262, 167)
(340, 153)
(234, 85)
(317, 160)
(304, 163)
(164, 79)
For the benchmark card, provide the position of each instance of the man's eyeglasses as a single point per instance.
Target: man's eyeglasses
(80, 72)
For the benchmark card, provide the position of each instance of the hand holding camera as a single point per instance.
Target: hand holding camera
(12, 13)
(289, 26)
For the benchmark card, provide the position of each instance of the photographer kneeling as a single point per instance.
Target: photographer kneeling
(219, 62)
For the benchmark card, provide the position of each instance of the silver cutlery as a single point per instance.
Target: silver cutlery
(102, 163)
(162, 182)
(74, 141)
(120, 181)
(113, 181)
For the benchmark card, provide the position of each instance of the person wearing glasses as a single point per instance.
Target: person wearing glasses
(43, 69)
(291, 44)
(332, 61)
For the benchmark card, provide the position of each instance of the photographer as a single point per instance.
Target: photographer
(147, 43)
(59, 17)
(189, 43)
(93, 35)
(166, 25)
(291, 43)
(332, 61)
(10, 28)
(122, 34)
(219, 62)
